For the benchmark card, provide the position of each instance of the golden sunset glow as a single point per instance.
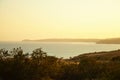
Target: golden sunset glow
(38, 19)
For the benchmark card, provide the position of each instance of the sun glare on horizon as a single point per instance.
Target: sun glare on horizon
(38, 19)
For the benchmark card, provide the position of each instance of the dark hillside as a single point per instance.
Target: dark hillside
(17, 65)
(101, 56)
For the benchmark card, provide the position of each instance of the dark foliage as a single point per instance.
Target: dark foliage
(17, 65)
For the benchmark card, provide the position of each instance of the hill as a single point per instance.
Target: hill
(99, 56)
(109, 41)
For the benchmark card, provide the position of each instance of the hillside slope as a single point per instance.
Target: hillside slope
(109, 41)
(99, 56)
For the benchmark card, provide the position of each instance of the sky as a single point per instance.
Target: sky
(40, 19)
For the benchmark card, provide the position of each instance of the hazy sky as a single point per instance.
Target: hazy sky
(37, 19)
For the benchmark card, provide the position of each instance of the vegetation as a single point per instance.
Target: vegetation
(17, 65)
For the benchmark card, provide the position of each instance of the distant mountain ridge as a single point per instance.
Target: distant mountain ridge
(62, 40)
(97, 41)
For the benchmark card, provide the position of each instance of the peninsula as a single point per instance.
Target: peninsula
(97, 41)
(109, 41)
(62, 40)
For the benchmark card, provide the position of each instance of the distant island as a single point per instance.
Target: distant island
(62, 40)
(97, 41)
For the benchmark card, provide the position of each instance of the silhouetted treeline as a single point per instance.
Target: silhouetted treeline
(17, 65)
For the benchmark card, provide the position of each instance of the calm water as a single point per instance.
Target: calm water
(62, 49)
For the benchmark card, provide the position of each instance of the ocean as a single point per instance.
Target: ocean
(61, 49)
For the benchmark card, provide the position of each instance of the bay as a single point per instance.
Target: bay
(61, 49)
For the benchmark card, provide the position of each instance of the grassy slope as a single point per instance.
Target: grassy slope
(101, 56)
